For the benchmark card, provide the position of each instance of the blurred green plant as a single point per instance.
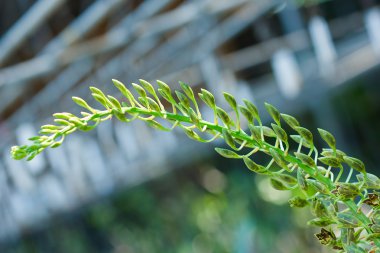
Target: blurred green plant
(335, 202)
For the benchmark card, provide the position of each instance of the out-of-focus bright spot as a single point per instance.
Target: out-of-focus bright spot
(214, 181)
(201, 244)
(287, 73)
(269, 194)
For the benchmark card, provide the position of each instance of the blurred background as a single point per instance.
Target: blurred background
(132, 189)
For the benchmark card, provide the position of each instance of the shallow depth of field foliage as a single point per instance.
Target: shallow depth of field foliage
(344, 206)
(178, 214)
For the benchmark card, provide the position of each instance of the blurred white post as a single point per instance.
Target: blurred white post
(372, 23)
(287, 73)
(323, 45)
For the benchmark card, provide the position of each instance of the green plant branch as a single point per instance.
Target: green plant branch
(310, 173)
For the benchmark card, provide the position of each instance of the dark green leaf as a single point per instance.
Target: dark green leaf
(255, 132)
(317, 186)
(230, 100)
(223, 115)
(208, 98)
(247, 114)
(278, 185)
(348, 220)
(251, 165)
(227, 153)
(156, 125)
(320, 222)
(253, 109)
(228, 138)
(290, 120)
(183, 99)
(372, 181)
(354, 163)
(279, 159)
(268, 132)
(305, 159)
(305, 134)
(298, 138)
(330, 161)
(297, 202)
(273, 112)
(301, 180)
(281, 134)
(328, 138)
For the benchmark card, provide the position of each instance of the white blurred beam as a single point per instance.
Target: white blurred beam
(84, 24)
(26, 25)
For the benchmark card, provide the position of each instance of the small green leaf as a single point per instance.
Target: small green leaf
(18, 153)
(278, 185)
(320, 222)
(101, 100)
(167, 96)
(328, 138)
(301, 180)
(156, 125)
(192, 135)
(317, 186)
(98, 92)
(227, 153)
(127, 93)
(355, 163)
(147, 86)
(371, 181)
(247, 114)
(298, 138)
(77, 122)
(337, 153)
(208, 98)
(298, 202)
(253, 109)
(305, 134)
(153, 104)
(273, 112)
(279, 159)
(290, 120)
(115, 103)
(255, 132)
(230, 100)
(228, 138)
(139, 90)
(188, 91)
(79, 101)
(288, 179)
(164, 87)
(348, 220)
(183, 99)
(194, 117)
(347, 190)
(330, 161)
(281, 134)
(305, 159)
(267, 131)
(251, 165)
(223, 115)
